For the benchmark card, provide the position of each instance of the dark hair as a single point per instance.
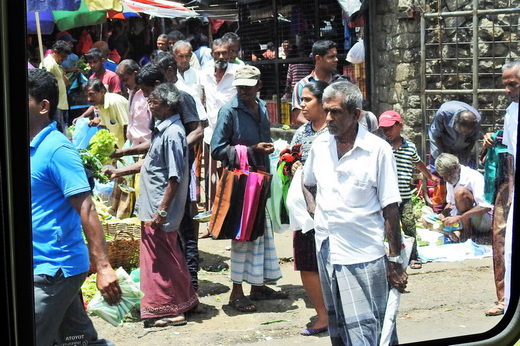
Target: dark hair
(321, 47)
(149, 75)
(42, 85)
(96, 85)
(270, 45)
(204, 41)
(129, 66)
(162, 36)
(94, 54)
(316, 87)
(167, 94)
(175, 35)
(61, 46)
(167, 61)
(158, 54)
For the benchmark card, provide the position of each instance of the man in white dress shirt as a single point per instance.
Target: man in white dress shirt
(216, 79)
(356, 207)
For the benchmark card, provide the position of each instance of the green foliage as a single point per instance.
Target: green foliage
(101, 145)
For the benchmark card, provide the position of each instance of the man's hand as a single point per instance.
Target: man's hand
(111, 173)
(295, 166)
(107, 284)
(487, 141)
(95, 122)
(397, 277)
(452, 220)
(263, 147)
(156, 222)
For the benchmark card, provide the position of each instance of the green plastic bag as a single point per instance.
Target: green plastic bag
(114, 314)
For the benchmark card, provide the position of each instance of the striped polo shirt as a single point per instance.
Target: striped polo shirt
(406, 158)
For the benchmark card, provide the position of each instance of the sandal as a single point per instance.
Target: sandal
(242, 304)
(266, 293)
(496, 310)
(178, 320)
(415, 265)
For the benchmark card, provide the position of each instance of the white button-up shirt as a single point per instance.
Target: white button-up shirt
(472, 180)
(216, 95)
(510, 129)
(190, 83)
(351, 194)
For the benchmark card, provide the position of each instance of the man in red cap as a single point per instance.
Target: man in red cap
(406, 157)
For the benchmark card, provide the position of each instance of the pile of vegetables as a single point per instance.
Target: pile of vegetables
(98, 152)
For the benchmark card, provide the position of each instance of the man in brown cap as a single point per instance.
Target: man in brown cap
(244, 121)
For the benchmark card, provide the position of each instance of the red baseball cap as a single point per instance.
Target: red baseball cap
(389, 118)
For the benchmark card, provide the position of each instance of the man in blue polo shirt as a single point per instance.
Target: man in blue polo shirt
(61, 207)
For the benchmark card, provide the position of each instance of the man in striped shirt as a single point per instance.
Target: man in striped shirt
(406, 157)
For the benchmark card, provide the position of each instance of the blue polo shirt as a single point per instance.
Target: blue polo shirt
(56, 174)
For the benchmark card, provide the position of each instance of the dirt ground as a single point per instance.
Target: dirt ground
(444, 299)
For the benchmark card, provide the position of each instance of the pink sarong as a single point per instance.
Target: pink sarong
(165, 280)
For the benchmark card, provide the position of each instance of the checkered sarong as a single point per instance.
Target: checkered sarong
(255, 262)
(355, 297)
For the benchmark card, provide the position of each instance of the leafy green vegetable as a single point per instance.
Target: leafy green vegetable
(92, 163)
(101, 145)
(89, 288)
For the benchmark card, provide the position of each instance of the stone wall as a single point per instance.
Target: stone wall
(396, 59)
(395, 56)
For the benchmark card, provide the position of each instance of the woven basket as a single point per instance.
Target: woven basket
(123, 250)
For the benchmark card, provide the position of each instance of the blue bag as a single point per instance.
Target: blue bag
(83, 133)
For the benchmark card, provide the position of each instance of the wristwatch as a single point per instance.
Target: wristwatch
(395, 259)
(162, 213)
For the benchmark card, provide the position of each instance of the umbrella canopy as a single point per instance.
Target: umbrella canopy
(160, 8)
(126, 13)
(46, 23)
(52, 5)
(66, 20)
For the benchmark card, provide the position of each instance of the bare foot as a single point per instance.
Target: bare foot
(204, 235)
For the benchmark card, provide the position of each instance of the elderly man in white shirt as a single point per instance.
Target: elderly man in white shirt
(356, 207)
(216, 79)
(467, 208)
(188, 77)
(511, 80)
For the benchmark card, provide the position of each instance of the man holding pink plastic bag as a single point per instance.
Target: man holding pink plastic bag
(244, 121)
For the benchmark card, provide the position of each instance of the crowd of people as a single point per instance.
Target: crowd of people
(181, 114)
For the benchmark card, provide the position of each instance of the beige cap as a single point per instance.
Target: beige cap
(246, 75)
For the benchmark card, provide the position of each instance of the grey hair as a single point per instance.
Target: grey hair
(219, 43)
(167, 94)
(511, 65)
(445, 163)
(347, 91)
(181, 44)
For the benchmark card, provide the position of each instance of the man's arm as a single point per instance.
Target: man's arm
(169, 193)
(196, 132)
(88, 113)
(424, 170)
(120, 172)
(397, 277)
(135, 150)
(106, 280)
(475, 211)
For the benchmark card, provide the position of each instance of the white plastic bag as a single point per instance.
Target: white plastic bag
(356, 54)
(392, 304)
(299, 217)
(114, 314)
